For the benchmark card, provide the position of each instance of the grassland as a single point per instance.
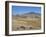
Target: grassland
(19, 23)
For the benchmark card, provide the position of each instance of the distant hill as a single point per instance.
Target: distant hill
(29, 14)
(32, 13)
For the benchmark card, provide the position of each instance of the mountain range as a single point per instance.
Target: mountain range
(29, 14)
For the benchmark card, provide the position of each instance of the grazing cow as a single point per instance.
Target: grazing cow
(22, 27)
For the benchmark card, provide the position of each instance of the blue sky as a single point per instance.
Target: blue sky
(25, 9)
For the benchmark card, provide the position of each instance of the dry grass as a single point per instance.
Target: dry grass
(36, 24)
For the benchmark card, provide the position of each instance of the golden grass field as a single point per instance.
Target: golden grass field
(19, 23)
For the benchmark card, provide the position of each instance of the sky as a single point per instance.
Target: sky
(24, 9)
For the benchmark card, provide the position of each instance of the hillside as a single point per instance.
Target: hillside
(27, 21)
